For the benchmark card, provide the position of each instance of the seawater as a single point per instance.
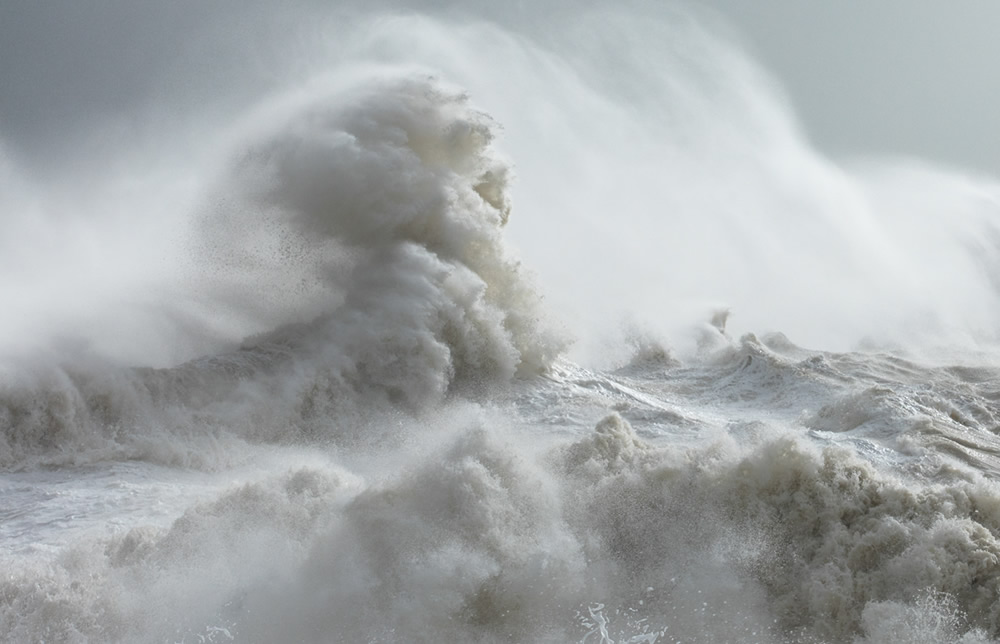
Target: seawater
(469, 332)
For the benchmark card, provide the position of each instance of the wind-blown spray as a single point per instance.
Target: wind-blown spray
(321, 399)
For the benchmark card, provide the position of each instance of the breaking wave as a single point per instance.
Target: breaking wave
(339, 410)
(385, 197)
(488, 538)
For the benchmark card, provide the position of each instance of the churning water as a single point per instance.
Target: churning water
(469, 331)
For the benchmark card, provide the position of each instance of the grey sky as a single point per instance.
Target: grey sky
(908, 77)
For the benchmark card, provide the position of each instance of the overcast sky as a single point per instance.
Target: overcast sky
(866, 77)
(913, 77)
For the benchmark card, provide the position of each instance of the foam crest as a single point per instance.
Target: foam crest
(328, 278)
(393, 179)
(678, 187)
(396, 179)
(392, 200)
(488, 537)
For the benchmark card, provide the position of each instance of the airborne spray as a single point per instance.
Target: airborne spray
(413, 328)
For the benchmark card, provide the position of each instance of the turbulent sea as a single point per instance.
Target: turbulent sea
(475, 331)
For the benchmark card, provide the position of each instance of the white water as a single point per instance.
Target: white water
(284, 371)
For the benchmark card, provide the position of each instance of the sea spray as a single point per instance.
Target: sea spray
(389, 192)
(486, 538)
(349, 423)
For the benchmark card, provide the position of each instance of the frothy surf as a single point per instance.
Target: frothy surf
(348, 410)
(386, 193)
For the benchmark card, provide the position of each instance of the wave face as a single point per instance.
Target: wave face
(321, 370)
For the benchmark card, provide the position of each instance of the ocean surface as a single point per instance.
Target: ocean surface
(474, 331)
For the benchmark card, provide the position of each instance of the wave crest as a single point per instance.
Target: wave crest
(386, 199)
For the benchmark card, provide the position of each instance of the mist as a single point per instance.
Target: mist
(483, 323)
(661, 175)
